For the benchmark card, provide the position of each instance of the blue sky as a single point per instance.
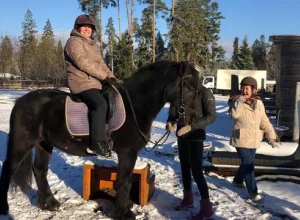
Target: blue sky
(243, 17)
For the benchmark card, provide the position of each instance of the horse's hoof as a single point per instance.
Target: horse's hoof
(124, 216)
(52, 205)
(127, 216)
(130, 215)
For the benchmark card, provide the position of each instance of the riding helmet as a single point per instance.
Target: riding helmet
(84, 19)
(250, 81)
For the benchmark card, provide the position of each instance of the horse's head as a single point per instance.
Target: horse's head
(183, 91)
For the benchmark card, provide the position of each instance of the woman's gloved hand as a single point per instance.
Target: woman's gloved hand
(184, 130)
(170, 127)
(273, 143)
(112, 81)
(241, 99)
(115, 80)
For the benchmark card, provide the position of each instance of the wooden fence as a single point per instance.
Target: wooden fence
(20, 84)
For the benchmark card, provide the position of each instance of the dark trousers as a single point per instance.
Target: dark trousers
(191, 157)
(97, 106)
(246, 169)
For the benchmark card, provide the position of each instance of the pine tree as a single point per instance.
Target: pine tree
(160, 47)
(147, 31)
(187, 34)
(259, 53)
(122, 57)
(46, 60)
(6, 55)
(215, 54)
(143, 34)
(143, 57)
(213, 24)
(48, 34)
(155, 9)
(235, 55)
(111, 44)
(59, 71)
(245, 60)
(271, 62)
(28, 47)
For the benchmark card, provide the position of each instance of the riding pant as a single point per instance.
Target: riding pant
(97, 106)
(191, 157)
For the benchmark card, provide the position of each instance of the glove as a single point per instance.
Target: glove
(241, 99)
(112, 81)
(184, 130)
(273, 144)
(170, 127)
(115, 80)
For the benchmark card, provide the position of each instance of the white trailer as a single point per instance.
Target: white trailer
(222, 83)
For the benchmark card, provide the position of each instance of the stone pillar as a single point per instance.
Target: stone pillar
(297, 114)
(288, 74)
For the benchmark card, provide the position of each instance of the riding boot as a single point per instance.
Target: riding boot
(186, 202)
(206, 211)
(98, 148)
(188, 198)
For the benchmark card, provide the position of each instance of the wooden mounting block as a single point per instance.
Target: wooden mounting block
(97, 178)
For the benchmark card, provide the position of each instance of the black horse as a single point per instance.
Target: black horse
(37, 121)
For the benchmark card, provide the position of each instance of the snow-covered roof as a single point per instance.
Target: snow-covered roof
(7, 75)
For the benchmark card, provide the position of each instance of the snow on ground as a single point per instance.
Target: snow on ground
(281, 199)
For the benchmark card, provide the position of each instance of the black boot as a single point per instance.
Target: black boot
(98, 148)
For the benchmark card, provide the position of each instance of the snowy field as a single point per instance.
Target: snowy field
(281, 199)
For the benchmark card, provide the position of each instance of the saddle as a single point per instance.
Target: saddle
(76, 112)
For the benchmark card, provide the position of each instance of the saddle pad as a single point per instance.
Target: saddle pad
(77, 116)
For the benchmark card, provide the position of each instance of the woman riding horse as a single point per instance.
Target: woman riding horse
(86, 69)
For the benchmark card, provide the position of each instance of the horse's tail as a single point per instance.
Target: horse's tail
(22, 176)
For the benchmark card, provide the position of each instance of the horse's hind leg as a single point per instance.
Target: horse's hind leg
(17, 165)
(46, 199)
(4, 185)
(126, 164)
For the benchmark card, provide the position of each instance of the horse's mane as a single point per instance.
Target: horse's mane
(152, 71)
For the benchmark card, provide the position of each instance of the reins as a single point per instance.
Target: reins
(163, 139)
(181, 113)
(145, 138)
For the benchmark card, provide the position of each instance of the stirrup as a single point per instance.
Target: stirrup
(91, 152)
(106, 152)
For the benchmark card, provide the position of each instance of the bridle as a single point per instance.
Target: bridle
(181, 113)
(181, 108)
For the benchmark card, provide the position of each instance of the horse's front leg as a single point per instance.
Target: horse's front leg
(46, 199)
(127, 159)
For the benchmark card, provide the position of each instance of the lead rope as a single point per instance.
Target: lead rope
(145, 138)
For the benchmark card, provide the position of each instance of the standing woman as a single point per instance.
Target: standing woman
(86, 70)
(250, 123)
(190, 140)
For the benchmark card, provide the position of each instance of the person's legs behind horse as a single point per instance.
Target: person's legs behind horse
(97, 106)
(196, 158)
(188, 196)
